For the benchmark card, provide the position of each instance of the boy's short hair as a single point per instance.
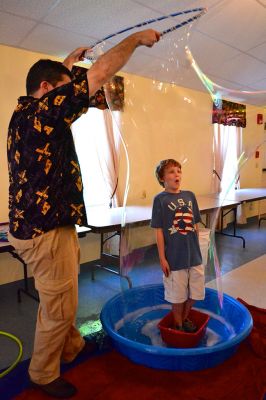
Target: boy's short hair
(45, 70)
(159, 171)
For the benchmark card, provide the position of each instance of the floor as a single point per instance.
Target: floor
(243, 272)
(247, 282)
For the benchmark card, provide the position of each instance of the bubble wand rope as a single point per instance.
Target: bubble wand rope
(200, 10)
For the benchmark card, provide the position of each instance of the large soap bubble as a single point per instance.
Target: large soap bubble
(164, 118)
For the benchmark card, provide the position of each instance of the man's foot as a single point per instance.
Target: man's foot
(58, 388)
(189, 326)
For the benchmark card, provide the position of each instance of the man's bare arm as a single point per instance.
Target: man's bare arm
(114, 59)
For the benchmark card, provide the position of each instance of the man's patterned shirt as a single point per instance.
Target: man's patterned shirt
(45, 181)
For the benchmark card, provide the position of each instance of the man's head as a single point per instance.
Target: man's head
(165, 166)
(45, 75)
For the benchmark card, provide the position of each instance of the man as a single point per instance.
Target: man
(46, 200)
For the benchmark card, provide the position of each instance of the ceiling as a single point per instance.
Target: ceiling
(228, 42)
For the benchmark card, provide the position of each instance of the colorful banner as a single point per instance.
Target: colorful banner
(115, 90)
(229, 113)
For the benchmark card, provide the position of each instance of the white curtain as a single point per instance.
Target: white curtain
(220, 144)
(227, 146)
(110, 164)
(241, 209)
(97, 145)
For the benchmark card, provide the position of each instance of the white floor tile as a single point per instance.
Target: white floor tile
(247, 282)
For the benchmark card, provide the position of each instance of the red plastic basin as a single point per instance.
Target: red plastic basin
(174, 338)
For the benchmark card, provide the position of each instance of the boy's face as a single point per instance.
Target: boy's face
(172, 178)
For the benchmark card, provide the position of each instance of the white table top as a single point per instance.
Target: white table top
(207, 203)
(100, 218)
(243, 195)
(104, 218)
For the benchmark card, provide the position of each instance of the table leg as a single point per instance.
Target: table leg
(261, 218)
(106, 260)
(221, 232)
(25, 279)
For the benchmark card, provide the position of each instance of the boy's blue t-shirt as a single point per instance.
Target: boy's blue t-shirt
(176, 214)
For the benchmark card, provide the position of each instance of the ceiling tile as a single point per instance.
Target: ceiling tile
(171, 6)
(28, 8)
(55, 42)
(259, 86)
(98, 18)
(208, 53)
(13, 28)
(240, 70)
(239, 24)
(259, 51)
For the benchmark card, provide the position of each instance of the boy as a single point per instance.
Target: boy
(175, 216)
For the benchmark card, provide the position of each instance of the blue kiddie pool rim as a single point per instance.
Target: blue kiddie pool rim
(151, 349)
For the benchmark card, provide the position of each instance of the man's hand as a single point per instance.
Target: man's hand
(75, 56)
(147, 37)
(165, 267)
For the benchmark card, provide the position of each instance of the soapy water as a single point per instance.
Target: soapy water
(141, 326)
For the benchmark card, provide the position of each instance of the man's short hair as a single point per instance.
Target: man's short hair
(45, 70)
(159, 171)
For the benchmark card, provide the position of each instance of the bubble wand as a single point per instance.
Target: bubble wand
(200, 11)
(90, 54)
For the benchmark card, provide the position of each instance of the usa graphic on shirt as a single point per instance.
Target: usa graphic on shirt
(183, 221)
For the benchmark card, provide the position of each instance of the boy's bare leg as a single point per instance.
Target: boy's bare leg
(187, 307)
(178, 310)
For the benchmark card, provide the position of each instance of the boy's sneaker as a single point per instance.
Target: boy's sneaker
(189, 326)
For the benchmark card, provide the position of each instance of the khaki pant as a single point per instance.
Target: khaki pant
(53, 259)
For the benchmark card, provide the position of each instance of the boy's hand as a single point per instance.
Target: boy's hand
(165, 267)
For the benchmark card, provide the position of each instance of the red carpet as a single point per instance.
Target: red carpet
(111, 376)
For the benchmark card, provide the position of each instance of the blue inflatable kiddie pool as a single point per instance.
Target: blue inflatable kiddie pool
(131, 320)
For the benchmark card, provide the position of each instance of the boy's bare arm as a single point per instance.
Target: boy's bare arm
(196, 226)
(161, 250)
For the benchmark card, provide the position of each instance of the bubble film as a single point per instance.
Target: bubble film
(163, 117)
